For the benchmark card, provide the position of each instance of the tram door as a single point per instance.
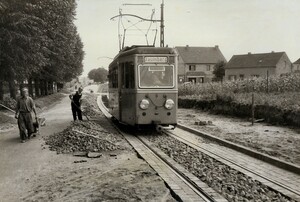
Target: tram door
(126, 97)
(121, 71)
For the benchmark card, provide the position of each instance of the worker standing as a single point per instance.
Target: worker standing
(76, 104)
(25, 106)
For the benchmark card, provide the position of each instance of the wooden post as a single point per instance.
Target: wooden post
(46, 87)
(12, 88)
(21, 85)
(41, 84)
(36, 87)
(30, 88)
(252, 109)
(1, 90)
(267, 81)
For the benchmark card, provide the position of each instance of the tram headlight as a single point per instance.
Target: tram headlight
(144, 104)
(169, 104)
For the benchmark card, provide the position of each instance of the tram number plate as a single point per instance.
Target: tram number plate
(156, 59)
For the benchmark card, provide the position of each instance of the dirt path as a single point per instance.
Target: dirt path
(19, 163)
(281, 142)
(30, 172)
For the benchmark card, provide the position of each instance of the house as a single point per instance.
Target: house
(296, 66)
(257, 65)
(196, 64)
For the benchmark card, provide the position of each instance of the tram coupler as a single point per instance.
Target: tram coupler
(160, 128)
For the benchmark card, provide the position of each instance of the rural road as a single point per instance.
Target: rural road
(31, 172)
(19, 162)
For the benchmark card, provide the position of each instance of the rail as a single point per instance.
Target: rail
(279, 179)
(183, 185)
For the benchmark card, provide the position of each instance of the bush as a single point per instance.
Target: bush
(285, 83)
(280, 104)
(9, 102)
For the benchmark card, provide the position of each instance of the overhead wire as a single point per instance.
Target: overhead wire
(119, 33)
(153, 11)
(132, 25)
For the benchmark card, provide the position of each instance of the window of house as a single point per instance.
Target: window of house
(207, 67)
(242, 76)
(192, 67)
(232, 77)
(255, 76)
(193, 80)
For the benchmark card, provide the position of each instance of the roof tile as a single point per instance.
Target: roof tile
(254, 60)
(200, 55)
(297, 62)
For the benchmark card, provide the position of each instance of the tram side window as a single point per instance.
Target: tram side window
(122, 75)
(128, 75)
(114, 78)
(109, 79)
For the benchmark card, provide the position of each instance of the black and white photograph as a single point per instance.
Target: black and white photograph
(149, 100)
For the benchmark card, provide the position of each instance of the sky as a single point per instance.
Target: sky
(236, 26)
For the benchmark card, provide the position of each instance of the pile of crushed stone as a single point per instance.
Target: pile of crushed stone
(90, 106)
(84, 137)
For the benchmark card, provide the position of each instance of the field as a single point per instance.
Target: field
(276, 99)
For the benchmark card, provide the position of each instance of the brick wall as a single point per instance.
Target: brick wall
(284, 65)
(249, 72)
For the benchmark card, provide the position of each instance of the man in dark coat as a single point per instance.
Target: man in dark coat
(25, 106)
(76, 104)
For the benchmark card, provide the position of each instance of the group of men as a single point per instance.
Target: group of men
(26, 108)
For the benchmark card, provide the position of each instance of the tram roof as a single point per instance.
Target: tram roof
(144, 50)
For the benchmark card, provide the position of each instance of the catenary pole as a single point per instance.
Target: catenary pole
(162, 26)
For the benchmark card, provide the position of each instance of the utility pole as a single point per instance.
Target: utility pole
(162, 26)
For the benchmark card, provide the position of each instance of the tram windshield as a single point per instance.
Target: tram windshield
(156, 76)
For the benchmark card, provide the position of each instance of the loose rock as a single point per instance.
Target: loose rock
(94, 155)
(81, 161)
(81, 154)
(233, 185)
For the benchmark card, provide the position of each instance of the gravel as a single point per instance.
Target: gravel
(232, 184)
(80, 138)
(87, 136)
(90, 106)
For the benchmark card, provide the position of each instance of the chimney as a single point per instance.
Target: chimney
(272, 52)
(249, 53)
(216, 46)
(187, 46)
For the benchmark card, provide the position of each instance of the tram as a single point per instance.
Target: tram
(143, 87)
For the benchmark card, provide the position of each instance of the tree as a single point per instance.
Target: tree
(38, 42)
(98, 75)
(21, 38)
(219, 71)
(66, 48)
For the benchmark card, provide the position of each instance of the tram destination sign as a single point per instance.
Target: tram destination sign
(155, 59)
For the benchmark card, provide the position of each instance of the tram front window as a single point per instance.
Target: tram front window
(156, 76)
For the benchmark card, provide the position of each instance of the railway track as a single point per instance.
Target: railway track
(183, 185)
(281, 180)
(188, 187)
